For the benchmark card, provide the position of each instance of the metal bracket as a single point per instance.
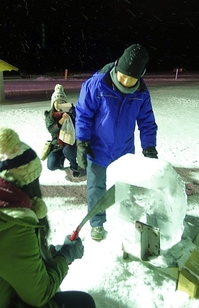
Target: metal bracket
(149, 238)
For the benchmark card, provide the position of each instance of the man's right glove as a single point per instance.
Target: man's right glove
(83, 148)
(70, 250)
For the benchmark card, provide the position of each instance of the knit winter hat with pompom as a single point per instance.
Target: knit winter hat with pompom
(18, 157)
(9, 140)
(21, 167)
(58, 94)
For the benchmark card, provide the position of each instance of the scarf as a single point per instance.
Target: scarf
(120, 87)
(11, 196)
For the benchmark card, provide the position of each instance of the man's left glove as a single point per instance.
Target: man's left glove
(150, 152)
(83, 148)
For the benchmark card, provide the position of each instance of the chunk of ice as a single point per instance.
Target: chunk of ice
(151, 191)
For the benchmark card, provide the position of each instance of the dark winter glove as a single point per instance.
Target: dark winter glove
(83, 148)
(150, 152)
(70, 250)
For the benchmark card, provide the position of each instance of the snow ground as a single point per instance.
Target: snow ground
(111, 280)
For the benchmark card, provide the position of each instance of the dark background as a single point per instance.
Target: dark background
(40, 36)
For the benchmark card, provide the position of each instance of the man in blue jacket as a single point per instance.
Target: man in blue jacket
(110, 104)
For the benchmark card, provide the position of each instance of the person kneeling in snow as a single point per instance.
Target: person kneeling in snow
(25, 166)
(54, 119)
(27, 275)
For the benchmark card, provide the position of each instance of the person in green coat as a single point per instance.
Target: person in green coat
(28, 278)
(25, 166)
(30, 273)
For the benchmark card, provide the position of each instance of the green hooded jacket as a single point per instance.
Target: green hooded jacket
(25, 279)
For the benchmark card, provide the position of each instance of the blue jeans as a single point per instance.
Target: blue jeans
(56, 158)
(96, 187)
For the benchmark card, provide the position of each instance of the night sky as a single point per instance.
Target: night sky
(40, 36)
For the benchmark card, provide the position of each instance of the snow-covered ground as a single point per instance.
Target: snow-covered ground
(113, 281)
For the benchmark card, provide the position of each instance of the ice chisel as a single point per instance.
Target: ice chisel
(102, 204)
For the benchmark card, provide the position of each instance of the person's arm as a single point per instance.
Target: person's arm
(24, 269)
(85, 110)
(51, 124)
(147, 125)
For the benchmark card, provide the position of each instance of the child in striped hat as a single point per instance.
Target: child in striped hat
(20, 162)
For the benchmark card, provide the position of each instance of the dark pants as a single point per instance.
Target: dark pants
(74, 299)
(56, 158)
(96, 187)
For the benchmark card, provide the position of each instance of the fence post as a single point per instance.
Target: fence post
(66, 74)
(176, 77)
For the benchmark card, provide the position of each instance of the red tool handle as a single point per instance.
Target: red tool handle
(75, 234)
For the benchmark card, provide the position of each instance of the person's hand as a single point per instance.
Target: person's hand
(63, 118)
(150, 152)
(52, 250)
(83, 148)
(70, 250)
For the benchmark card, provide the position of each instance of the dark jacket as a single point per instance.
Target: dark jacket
(52, 118)
(107, 118)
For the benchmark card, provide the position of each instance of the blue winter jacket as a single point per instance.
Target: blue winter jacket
(107, 118)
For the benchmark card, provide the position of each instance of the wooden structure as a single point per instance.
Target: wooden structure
(4, 66)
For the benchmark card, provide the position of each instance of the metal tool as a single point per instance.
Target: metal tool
(102, 204)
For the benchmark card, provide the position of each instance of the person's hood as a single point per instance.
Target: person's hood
(17, 216)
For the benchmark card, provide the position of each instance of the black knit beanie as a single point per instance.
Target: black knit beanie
(133, 61)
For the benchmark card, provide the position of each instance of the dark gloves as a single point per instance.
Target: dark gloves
(150, 152)
(70, 250)
(83, 148)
